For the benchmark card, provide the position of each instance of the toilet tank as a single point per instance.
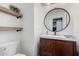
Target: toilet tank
(9, 48)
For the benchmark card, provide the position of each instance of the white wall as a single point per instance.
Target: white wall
(28, 29)
(75, 14)
(38, 22)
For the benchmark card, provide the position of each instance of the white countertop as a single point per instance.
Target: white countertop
(59, 37)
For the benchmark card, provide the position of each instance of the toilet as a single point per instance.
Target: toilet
(9, 49)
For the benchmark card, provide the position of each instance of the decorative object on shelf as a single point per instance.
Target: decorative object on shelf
(14, 9)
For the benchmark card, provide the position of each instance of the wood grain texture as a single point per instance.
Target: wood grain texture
(10, 28)
(54, 47)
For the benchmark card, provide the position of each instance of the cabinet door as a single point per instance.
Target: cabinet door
(47, 47)
(65, 48)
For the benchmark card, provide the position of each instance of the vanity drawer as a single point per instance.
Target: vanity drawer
(65, 48)
(47, 47)
(55, 47)
(47, 43)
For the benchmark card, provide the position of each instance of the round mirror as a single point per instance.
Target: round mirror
(57, 19)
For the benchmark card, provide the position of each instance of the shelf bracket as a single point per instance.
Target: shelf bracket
(19, 29)
(19, 16)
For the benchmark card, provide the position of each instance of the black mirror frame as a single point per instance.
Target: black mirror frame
(56, 9)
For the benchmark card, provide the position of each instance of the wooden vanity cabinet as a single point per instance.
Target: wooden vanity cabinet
(46, 47)
(55, 47)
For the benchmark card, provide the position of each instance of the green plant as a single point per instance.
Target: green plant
(14, 8)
